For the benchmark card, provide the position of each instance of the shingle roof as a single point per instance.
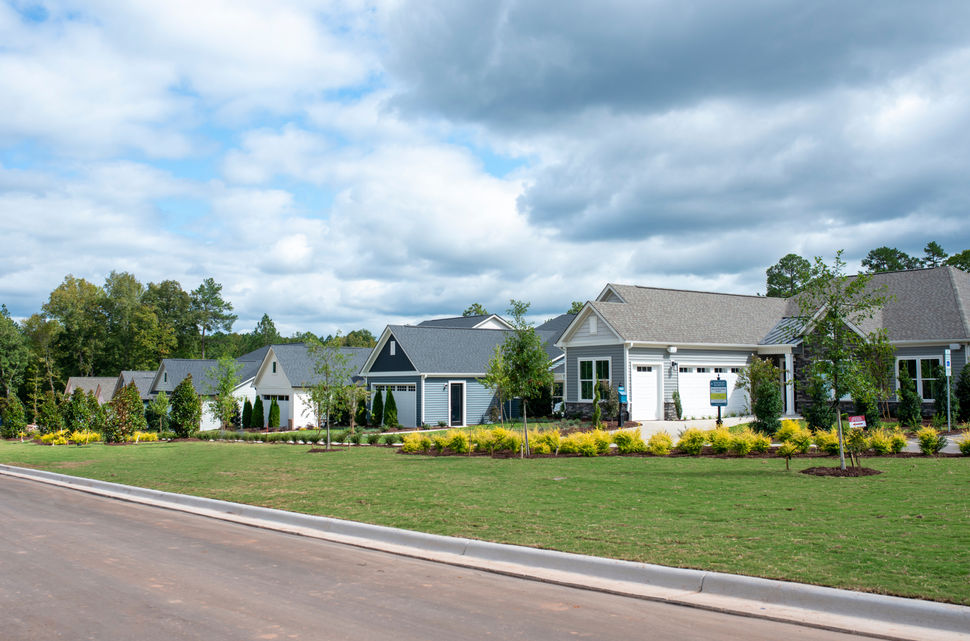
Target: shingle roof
(927, 304)
(458, 322)
(142, 379)
(298, 362)
(91, 384)
(178, 368)
(557, 324)
(656, 315)
(449, 350)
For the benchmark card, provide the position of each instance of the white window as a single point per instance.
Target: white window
(921, 370)
(686, 370)
(703, 370)
(592, 324)
(591, 370)
(644, 368)
(735, 370)
(274, 367)
(393, 348)
(718, 370)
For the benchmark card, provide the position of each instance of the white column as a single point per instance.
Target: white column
(789, 386)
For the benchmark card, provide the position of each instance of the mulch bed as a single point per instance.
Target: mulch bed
(319, 450)
(837, 471)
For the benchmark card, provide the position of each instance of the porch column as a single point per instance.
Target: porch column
(789, 386)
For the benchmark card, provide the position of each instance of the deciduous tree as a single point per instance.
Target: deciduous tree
(225, 375)
(14, 354)
(525, 361)
(332, 372)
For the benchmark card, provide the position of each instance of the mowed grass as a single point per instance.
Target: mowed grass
(904, 532)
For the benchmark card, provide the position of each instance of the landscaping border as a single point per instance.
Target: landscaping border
(873, 615)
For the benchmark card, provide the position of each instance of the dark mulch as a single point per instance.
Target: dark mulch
(318, 450)
(837, 471)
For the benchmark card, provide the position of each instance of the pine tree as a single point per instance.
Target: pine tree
(390, 410)
(377, 410)
(910, 404)
(186, 415)
(274, 414)
(258, 418)
(247, 415)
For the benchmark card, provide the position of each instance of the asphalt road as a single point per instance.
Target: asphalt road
(76, 566)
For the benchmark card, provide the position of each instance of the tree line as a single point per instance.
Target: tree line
(86, 329)
(792, 273)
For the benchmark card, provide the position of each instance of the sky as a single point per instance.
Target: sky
(346, 164)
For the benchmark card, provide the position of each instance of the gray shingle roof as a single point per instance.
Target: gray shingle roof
(178, 368)
(449, 350)
(142, 379)
(927, 304)
(656, 315)
(91, 384)
(298, 362)
(557, 324)
(458, 322)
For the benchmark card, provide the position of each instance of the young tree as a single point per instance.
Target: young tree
(225, 373)
(247, 414)
(390, 409)
(274, 414)
(126, 415)
(475, 309)
(877, 358)
(49, 418)
(495, 379)
(889, 259)
(767, 407)
(332, 373)
(830, 306)
(526, 363)
(576, 307)
(209, 311)
(819, 414)
(933, 255)
(361, 416)
(597, 411)
(940, 392)
(12, 418)
(751, 378)
(186, 414)
(788, 276)
(77, 413)
(910, 410)
(14, 354)
(377, 409)
(354, 401)
(259, 414)
(157, 412)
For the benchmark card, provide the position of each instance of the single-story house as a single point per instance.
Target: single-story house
(655, 341)
(286, 372)
(141, 379)
(434, 368)
(103, 387)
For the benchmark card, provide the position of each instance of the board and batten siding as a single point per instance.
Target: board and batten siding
(573, 356)
(478, 399)
(404, 380)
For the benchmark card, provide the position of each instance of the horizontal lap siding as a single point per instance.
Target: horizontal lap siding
(436, 401)
(478, 399)
(573, 354)
(383, 380)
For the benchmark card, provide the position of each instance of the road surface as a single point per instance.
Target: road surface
(76, 566)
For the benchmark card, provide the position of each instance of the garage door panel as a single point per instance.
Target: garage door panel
(695, 393)
(405, 398)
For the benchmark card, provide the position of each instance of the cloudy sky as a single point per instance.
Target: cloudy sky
(350, 163)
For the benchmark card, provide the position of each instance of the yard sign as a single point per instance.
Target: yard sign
(719, 393)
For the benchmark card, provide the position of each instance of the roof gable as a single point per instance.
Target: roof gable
(481, 321)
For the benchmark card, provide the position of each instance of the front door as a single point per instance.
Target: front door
(457, 404)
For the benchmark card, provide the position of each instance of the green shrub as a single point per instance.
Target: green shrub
(827, 441)
(338, 436)
(258, 418)
(354, 437)
(898, 441)
(720, 440)
(743, 442)
(930, 441)
(247, 414)
(415, 442)
(390, 439)
(629, 442)
(377, 409)
(274, 414)
(910, 408)
(819, 413)
(596, 406)
(660, 444)
(965, 443)
(760, 443)
(390, 410)
(856, 443)
(678, 406)
(373, 438)
(767, 407)
(12, 417)
(692, 441)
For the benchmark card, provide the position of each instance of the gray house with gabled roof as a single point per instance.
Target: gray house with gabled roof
(655, 341)
(434, 370)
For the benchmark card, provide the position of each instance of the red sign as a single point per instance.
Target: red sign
(857, 421)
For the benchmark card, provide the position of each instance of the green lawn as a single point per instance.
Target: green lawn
(904, 532)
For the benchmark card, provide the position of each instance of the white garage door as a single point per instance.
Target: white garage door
(694, 384)
(405, 397)
(644, 395)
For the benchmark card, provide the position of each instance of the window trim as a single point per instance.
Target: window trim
(919, 373)
(580, 379)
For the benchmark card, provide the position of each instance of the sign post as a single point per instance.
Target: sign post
(719, 397)
(621, 391)
(946, 359)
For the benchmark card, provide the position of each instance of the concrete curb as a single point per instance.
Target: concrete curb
(843, 610)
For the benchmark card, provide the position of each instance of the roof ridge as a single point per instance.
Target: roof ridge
(956, 294)
(693, 291)
(463, 329)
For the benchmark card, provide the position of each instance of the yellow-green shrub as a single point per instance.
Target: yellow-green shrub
(483, 440)
(898, 441)
(881, 441)
(629, 441)
(827, 441)
(459, 442)
(547, 441)
(439, 441)
(743, 442)
(415, 442)
(602, 440)
(143, 437)
(692, 441)
(760, 442)
(720, 440)
(60, 440)
(659, 444)
(792, 432)
(930, 441)
(965, 443)
(580, 443)
(506, 440)
(55, 438)
(789, 428)
(83, 437)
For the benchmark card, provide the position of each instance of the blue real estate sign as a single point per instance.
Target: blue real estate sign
(719, 393)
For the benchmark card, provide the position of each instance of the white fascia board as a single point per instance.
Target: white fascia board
(931, 343)
(376, 351)
(577, 322)
(411, 373)
(609, 288)
(665, 345)
(445, 374)
(776, 349)
(495, 317)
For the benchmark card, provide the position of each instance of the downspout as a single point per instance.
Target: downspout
(423, 394)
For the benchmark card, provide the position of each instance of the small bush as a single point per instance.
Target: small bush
(965, 443)
(881, 442)
(415, 442)
(720, 440)
(373, 438)
(458, 442)
(583, 443)
(390, 439)
(338, 436)
(629, 442)
(550, 439)
(660, 444)
(143, 437)
(506, 440)
(439, 441)
(743, 442)
(787, 429)
(602, 440)
(354, 437)
(930, 441)
(760, 443)
(787, 450)
(692, 441)
(83, 437)
(483, 440)
(827, 441)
